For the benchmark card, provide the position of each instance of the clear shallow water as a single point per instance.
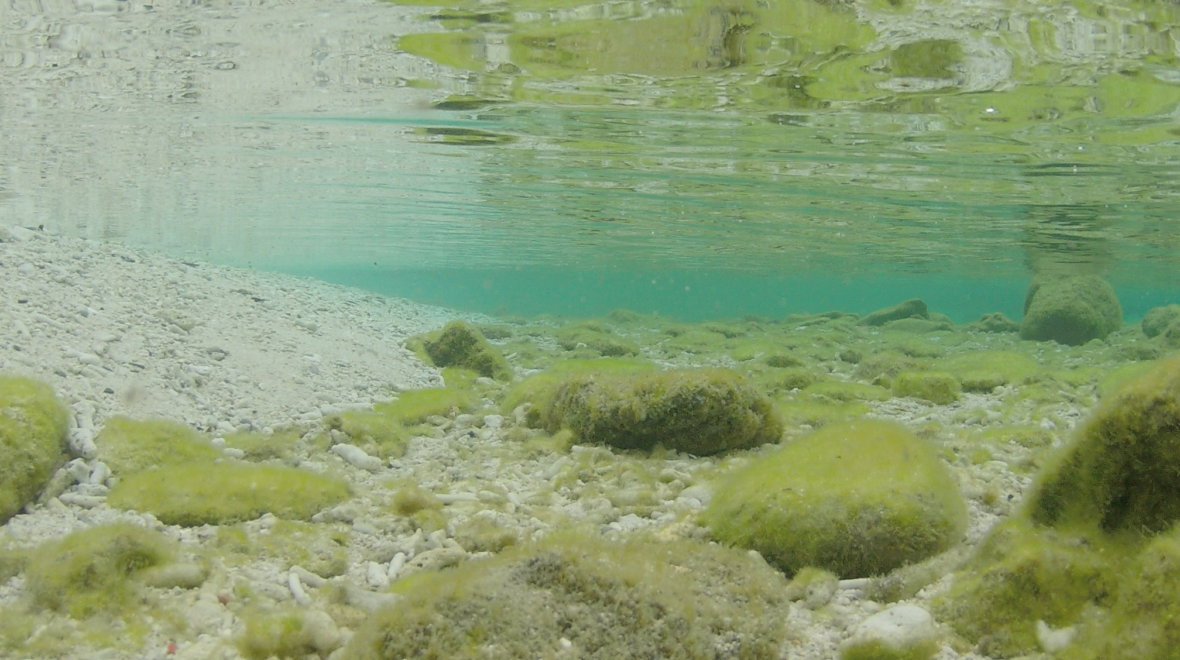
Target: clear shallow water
(698, 159)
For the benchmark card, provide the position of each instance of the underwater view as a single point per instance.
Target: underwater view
(796, 329)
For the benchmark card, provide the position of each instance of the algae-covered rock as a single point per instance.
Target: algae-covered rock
(1121, 471)
(128, 446)
(596, 338)
(912, 308)
(1158, 319)
(983, 371)
(699, 411)
(933, 386)
(579, 595)
(1070, 310)
(460, 344)
(216, 493)
(996, 322)
(33, 428)
(1141, 621)
(1023, 573)
(94, 570)
(858, 498)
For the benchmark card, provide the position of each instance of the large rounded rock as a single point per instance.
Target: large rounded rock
(1070, 310)
(578, 595)
(698, 411)
(1122, 471)
(33, 427)
(858, 499)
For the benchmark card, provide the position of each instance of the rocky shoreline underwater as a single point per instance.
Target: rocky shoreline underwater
(207, 462)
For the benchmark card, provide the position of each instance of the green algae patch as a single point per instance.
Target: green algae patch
(933, 386)
(257, 446)
(226, 492)
(95, 570)
(579, 594)
(460, 344)
(321, 548)
(698, 411)
(983, 371)
(33, 426)
(1120, 473)
(287, 632)
(385, 429)
(1023, 573)
(538, 389)
(128, 446)
(859, 499)
(594, 337)
(1140, 623)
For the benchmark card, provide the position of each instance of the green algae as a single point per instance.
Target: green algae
(33, 427)
(201, 493)
(798, 507)
(698, 411)
(630, 597)
(933, 386)
(460, 344)
(129, 446)
(321, 548)
(94, 570)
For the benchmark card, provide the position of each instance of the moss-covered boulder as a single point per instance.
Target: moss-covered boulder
(1070, 310)
(1158, 319)
(1067, 555)
(128, 446)
(698, 411)
(33, 427)
(1141, 622)
(1122, 470)
(580, 595)
(226, 492)
(912, 308)
(1024, 573)
(857, 498)
(460, 344)
(95, 570)
(933, 386)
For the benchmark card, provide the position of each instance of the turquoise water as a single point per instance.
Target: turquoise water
(695, 159)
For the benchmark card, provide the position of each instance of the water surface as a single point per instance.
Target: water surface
(694, 158)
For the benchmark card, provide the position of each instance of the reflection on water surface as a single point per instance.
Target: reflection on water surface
(523, 156)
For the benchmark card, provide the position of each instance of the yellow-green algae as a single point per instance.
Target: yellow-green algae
(94, 570)
(933, 386)
(384, 429)
(321, 548)
(460, 344)
(858, 498)
(213, 493)
(606, 598)
(128, 446)
(1095, 506)
(698, 411)
(33, 427)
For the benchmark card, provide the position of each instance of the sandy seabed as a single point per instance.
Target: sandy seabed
(118, 331)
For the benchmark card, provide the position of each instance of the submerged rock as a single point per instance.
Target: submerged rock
(32, 441)
(1089, 525)
(579, 595)
(1120, 473)
(1070, 310)
(858, 499)
(460, 344)
(912, 308)
(1159, 319)
(698, 411)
